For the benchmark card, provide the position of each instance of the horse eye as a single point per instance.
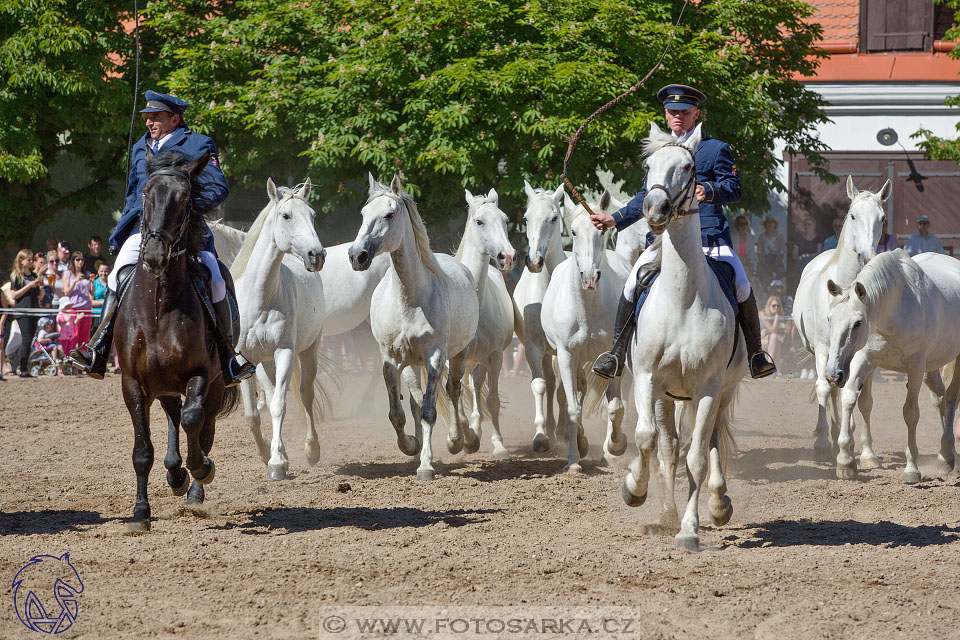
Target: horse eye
(553, 219)
(573, 233)
(389, 216)
(857, 324)
(853, 217)
(285, 216)
(479, 223)
(687, 167)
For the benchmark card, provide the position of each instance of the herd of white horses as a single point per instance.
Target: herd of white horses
(442, 323)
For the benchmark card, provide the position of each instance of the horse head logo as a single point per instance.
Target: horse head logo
(45, 592)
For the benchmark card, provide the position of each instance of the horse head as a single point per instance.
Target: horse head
(383, 225)
(487, 228)
(589, 244)
(849, 328)
(166, 208)
(293, 230)
(864, 222)
(543, 222)
(671, 177)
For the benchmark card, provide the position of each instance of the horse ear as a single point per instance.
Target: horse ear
(272, 190)
(374, 183)
(494, 196)
(527, 189)
(694, 138)
(833, 288)
(861, 291)
(568, 205)
(559, 194)
(469, 196)
(305, 189)
(395, 185)
(852, 191)
(654, 129)
(885, 191)
(195, 167)
(605, 200)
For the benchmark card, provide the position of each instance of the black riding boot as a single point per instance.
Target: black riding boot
(94, 360)
(611, 363)
(233, 371)
(761, 364)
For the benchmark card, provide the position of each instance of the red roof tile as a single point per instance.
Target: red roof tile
(840, 19)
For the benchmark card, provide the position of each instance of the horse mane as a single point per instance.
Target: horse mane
(884, 275)
(246, 249)
(420, 235)
(172, 159)
(459, 254)
(657, 141)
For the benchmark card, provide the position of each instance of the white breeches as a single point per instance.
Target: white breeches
(722, 253)
(130, 253)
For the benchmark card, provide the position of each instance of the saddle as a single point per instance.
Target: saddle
(200, 277)
(723, 271)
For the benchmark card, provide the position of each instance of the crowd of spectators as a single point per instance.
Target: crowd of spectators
(70, 284)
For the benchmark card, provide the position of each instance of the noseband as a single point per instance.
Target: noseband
(169, 241)
(681, 205)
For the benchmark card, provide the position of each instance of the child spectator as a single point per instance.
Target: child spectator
(100, 289)
(47, 336)
(66, 321)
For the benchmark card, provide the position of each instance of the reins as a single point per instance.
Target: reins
(610, 105)
(171, 241)
(680, 205)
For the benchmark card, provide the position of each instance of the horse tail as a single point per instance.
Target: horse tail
(595, 392)
(482, 393)
(321, 397)
(231, 399)
(726, 443)
(444, 405)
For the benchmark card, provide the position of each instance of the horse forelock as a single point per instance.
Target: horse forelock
(657, 141)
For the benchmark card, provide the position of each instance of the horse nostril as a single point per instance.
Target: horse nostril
(362, 257)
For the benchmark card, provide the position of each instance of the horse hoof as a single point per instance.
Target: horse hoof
(138, 526)
(276, 472)
(721, 509)
(583, 445)
(501, 454)
(630, 499)
(312, 451)
(207, 479)
(847, 473)
(409, 445)
(196, 495)
(455, 446)
(911, 477)
(471, 445)
(687, 541)
(541, 443)
(869, 462)
(944, 467)
(617, 448)
(426, 474)
(573, 467)
(182, 489)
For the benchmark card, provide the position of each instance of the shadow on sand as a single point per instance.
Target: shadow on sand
(25, 523)
(761, 466)
(299, 519)
(792, 533)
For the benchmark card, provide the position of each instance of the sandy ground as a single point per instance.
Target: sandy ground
(804, 556)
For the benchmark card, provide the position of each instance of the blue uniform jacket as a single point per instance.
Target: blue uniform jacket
(717, 172)
(213, 183)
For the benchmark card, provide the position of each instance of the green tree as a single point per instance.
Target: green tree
(935, 147)
(480, 93)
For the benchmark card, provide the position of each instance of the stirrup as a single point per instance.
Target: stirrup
(756, 375)
(237, 377)
(603, 374)
(79, 360)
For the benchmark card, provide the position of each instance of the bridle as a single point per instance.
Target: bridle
(169, 241)
(681, 204)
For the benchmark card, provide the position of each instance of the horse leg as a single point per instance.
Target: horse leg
(542, 441)
(307, 391)
(471, 435)
(409, 445)
(411, 377)
(823, 446)
(706, 420)
(868, 459)
(192, 418)
(459, 435)
(136, 401)
(721, 508)
(846, 461)
(634, 488)
(493, 405)
(560, 428)
(197, 495)
(615, 443)
(911, 415)
(950, 414)
(428, 413)
(251, 413)
(946, 457)
(177, 476)
(278, 464)
(668, 455)
(568, 377)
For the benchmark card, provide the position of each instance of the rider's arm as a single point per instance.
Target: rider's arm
(725, 187)
(212, 181)
(630, 212)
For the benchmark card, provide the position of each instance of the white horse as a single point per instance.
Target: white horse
(544, 225)
(423, 313)
(856, 246)
(578, 325)
(281, 318)
(633, 240)
(227, 240)
(485, 237)
(687, 346)
(901, 314)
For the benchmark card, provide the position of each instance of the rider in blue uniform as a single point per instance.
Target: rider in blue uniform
(717, 184)
(163, 116)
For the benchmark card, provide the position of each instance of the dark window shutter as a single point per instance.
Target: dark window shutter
(896, 25)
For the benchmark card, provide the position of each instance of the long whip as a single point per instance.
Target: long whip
(609, 105)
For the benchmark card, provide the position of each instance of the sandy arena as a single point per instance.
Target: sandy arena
(804, 556)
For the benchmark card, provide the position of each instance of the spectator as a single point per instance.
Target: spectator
(777, 289)
(54, 284)
(831, 242)
(51, 244)
(78, 287)
(888, 241)
(807, 245)
(777, 328)
(66, 321)
(745, 244)
(47, 336)
(63, 258)
(93, 257)
(5, 304)
(100, 289)
(923, 241)
(25, 288)
(771, 253)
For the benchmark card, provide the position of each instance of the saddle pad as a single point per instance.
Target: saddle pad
(725, 276)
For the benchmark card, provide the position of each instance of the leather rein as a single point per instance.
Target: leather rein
(681, 204)
(169, 241)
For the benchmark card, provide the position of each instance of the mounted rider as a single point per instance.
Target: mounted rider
(163, 116)
(717, 183)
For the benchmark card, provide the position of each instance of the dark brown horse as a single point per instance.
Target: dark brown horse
(164, 337)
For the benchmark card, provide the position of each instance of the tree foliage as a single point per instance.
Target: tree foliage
(61, 93)
(935, 147)
(479, 93)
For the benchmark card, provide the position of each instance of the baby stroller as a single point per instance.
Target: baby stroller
(41, 359)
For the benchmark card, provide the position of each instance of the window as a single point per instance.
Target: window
(896, 25)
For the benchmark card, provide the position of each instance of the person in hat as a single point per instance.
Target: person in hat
(163, 116)
(923, 241)
(717, 184)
